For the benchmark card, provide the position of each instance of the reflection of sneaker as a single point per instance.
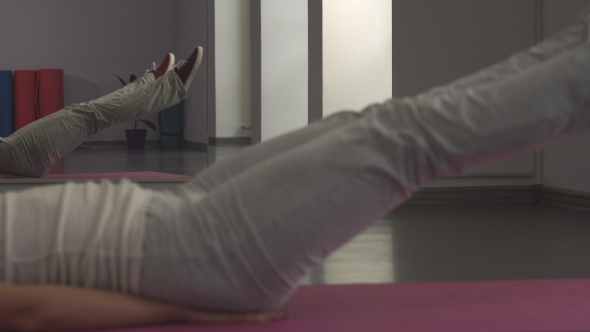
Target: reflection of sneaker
(164, 67)
(187, 69)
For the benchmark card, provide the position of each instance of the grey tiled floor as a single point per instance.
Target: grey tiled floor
(176, 161)
(450, 242)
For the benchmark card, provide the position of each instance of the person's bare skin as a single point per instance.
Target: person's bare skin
(57, 308)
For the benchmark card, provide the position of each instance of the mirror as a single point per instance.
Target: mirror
(95, 41)
(230, 102)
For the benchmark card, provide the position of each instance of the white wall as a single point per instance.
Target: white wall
(357, 55)
(232, 67)
(284, 66)
(191, 25)
(92, 40)
(435, 42)
(566, 164)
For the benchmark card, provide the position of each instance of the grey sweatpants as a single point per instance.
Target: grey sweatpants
(243, 233)
(32, 150)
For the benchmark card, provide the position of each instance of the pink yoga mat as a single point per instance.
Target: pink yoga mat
(118, 175)
(51, 91)
(499, 306)
(25, 97)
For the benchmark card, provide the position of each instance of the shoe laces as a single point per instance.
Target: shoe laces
(180, 64)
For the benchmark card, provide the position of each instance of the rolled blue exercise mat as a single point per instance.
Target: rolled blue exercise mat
(6, 104)
(172, 126)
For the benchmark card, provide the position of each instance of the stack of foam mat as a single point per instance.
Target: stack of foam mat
(25, 97)
(37, 94)
(50, 91)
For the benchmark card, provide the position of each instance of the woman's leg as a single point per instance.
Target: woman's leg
(32, 150)
(132, 86)
(557, 44)
(246, 244)
(150, 75)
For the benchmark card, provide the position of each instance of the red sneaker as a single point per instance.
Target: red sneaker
(164, 67)
(187, 69)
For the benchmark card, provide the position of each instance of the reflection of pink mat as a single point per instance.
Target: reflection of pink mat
(118, 175)
(501, 306)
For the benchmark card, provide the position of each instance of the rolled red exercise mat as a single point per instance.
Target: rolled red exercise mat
(25, 97)
(51, 91)
(6, 104)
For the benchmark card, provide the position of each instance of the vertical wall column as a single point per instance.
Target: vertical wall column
(357, 55)
(232, 61)
(565, 163)
(192, 22)
(316, 49)
(283, 66)
(211, 80)
(256, 64)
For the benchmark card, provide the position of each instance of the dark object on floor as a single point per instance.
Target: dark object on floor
(135, 138)
(172, 126)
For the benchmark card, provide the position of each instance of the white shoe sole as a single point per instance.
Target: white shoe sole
(190, 77)
(171, 64)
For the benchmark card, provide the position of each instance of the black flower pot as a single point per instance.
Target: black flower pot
(136, 138)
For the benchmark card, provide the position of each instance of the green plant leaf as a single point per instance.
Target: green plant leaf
(150, 124)
(132, 78)
(121, 80)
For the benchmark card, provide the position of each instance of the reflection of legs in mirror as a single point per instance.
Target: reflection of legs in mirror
(32, 150)
(156, 72)
(243, 233)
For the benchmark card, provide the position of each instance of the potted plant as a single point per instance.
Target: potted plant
(136, 137)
